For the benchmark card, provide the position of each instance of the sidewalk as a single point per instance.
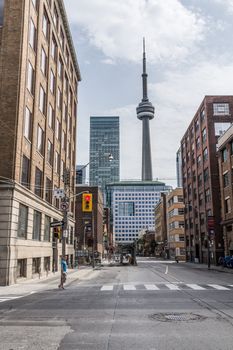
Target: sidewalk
(205, 267)
(27, 287)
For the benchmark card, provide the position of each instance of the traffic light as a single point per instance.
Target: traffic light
(87, 202)
(57, 232)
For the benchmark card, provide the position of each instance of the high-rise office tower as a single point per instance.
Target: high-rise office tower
(145, 112)
(39, 77)
(104, 141)
(81, 174)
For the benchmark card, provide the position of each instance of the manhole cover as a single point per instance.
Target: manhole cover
(177, 317)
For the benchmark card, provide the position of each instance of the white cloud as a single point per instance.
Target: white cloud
(116, 27)
(226, 3)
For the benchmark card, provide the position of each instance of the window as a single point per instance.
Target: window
(42, 100)
(221, 108)
(47, 221)
(35, 4)
(32, 35)
(43, 63)
(202, 115)
(38, 182)
(224, 155)
(50, 152)
(60, 67)
(231, 147)
(206, 174)
(204, 135)
(201, 198)
(59, 98)
(227, 205)
(62, 38)
(28, 124)
(63, 140)
(54, 49)
(52, 82)
(205, 154)
(225, 180)
(198, 142)
(48, 190)
(56, 162)
(45, 25)
(198, 161)
(47, 264)
(51, 117)
(58, 130)
(30, 79)
(36, 233)
(55, 17)
(180, 211)
(36, 265)
(197, 125)
(22, 221)
(21, 268)
(40, 140)
(207, 195)
(67, 56)
(25, 176)
(126, 209)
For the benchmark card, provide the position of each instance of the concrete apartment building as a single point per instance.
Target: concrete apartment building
(203, 229)
(225, 161)
(89, 227)
(39, 77)
(175, 224)
(161, 226)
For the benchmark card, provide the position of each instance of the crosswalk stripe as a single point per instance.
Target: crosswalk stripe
(230, 285)
(216, 286)
(2, 300)
(129, 287)
(151, 287)
(106, 288)
(195, 287)
(172, 286)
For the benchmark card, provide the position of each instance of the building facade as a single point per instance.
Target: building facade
(225, 161)
(39, 77)
(132, 206)
(104, 140)
(81, 174)
(161, 227)
(175, 225)
(89, 227)
(201, 179)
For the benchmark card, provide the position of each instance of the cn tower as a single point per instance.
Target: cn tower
(145, 112)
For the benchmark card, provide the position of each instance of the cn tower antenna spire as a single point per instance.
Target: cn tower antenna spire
(145, 112)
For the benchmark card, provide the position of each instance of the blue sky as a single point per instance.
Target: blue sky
(189, 55)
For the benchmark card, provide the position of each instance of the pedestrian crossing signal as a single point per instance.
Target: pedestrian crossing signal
(87, 202)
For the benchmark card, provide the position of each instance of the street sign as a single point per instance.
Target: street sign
(56, 223)
(59, 193)
(65, 233)
(64, 205)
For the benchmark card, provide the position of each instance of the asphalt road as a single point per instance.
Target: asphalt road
(152, 306)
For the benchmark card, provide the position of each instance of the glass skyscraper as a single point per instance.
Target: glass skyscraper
(104, 140)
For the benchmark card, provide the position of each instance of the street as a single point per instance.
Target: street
(156, 305)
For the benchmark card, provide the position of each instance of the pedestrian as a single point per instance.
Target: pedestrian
(63, 272)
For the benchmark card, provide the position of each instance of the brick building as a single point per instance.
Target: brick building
(201, 178)
(91, 237)
(175, 224)
(225, 161)
(39, 77)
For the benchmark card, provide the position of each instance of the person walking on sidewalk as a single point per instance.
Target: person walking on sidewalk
(63, 272)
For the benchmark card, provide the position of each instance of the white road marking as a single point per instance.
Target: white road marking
(195, 287)
(166, 272)
(105, 288)
(129, 287)
(216, 286)
(172, 286)
(151, 287)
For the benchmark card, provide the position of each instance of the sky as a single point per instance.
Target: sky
(189, 52)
